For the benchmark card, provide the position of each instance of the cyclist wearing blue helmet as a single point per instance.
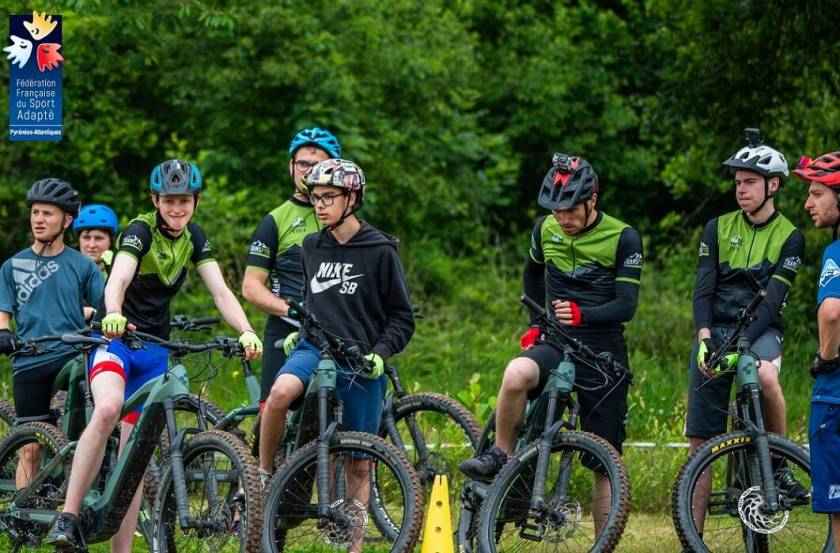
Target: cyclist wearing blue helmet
(153, 255)
(96, 227)
(274, 268)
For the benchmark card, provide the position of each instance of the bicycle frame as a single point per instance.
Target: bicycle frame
(105, 511)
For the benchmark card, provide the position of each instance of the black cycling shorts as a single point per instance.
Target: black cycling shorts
(273, 357)
(708, 399)
(603, 411)
(32, 389)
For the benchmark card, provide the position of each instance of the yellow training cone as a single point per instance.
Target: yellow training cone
(437, 536)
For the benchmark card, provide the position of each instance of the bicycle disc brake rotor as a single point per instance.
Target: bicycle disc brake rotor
(348, 524)
(222, 521)
(560, 521)
(751, 513)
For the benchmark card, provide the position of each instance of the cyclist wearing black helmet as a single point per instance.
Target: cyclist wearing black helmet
(589, 264)
(274, 271)
(742, 252)
(44, 288)
(149, 268)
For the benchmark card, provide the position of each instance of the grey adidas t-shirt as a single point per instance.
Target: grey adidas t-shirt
(46, 296)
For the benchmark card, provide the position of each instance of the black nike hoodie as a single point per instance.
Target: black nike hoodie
(357, 290)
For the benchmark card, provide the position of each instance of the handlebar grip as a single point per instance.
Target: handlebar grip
(206, 320)
(532, 305)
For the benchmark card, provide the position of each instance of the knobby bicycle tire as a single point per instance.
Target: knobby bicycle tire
(49, 496)
(564, 523)
(291, 504)
(729, 520)
(233, 518)
(7, 417)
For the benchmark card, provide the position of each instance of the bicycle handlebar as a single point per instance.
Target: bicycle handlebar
(556, 328)
(29, 347)
(182, 322)
(328, 340)
(746, 316)
(229, 347)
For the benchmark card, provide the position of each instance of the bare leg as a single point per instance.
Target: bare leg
(285, 390)
(358, 484)
(601, 502)
(775, 410)
(835, 530)
(700, 500)
(521, 375)
(29, 464)
(121, 541)
(107, 389)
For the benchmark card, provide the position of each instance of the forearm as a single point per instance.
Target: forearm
(619, 310)
(230, 309)
(5, 320)
(261, 297)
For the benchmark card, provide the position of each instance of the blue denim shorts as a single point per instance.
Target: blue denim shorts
(363, 398)
(825, 457)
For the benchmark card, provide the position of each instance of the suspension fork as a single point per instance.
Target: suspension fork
(326, 376)
(550, 428)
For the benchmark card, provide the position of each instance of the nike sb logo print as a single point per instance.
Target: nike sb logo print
(332, 274)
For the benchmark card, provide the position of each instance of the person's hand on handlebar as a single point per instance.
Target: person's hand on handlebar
(376, 364)
(115, 324)
(8, 341)
(252, 344)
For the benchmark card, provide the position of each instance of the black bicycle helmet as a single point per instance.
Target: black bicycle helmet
(56, 192)
(570, 181)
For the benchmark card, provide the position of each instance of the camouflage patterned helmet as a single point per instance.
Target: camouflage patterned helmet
(340, 173)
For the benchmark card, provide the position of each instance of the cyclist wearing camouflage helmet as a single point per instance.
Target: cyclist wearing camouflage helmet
(96, 228)
(274, 271)
(589, 263)
(44, 288)
(355, 285)
(823, 205)
(753, 248)
(149, 268)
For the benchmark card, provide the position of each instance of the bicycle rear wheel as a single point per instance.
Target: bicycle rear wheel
(292, 522)
(223, 497)
(7, 417)
(732, 519)
(573, 518)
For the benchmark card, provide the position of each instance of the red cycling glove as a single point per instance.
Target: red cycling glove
(575, 313)
(530, 338)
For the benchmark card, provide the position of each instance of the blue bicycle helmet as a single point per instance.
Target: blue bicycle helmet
(175, 177)
(96, 216)
(317, 137)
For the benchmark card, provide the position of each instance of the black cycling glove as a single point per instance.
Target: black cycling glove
(820, 365)
(8, 341)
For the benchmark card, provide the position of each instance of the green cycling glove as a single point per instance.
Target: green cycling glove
(377, 366)
(704, 351)
(249, 339)
(290, 342)
(114, 323)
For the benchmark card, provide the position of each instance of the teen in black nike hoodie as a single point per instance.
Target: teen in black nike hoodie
(356, 288)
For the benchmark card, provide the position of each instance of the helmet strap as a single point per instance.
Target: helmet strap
(767, 196)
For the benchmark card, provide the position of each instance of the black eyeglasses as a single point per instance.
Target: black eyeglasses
(303, 165)
(326, 199)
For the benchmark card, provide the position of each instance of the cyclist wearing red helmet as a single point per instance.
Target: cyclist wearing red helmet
(823, 205)
(587, 265)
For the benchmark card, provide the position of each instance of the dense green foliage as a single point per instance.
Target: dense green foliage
(453, 110)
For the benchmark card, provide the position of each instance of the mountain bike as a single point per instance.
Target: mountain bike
(209, 493)
(333, 482)
(543, 497)
(743, 508)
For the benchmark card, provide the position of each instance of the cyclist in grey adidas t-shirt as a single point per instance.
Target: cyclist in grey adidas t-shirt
(44, 288)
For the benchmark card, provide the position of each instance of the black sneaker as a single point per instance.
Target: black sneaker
(485, 466)
(64, 534)
(788, 485)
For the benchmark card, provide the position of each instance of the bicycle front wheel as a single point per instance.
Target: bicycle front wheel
(719, 493)
(586, 499)
(292, 521)
(223, 498)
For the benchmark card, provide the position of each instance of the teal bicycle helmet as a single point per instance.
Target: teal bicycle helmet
(320, 138)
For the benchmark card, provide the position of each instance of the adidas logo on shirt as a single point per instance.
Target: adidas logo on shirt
(29, 275)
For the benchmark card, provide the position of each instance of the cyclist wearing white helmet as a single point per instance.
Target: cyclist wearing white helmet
(753, 248)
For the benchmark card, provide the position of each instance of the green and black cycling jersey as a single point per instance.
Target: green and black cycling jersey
(276, 250)
(161, 269)
(737, 259)
(598, 269)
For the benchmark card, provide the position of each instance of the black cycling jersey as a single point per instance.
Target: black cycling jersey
(737, 259)
(275, 249)
(598, 269)
(161, 269)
